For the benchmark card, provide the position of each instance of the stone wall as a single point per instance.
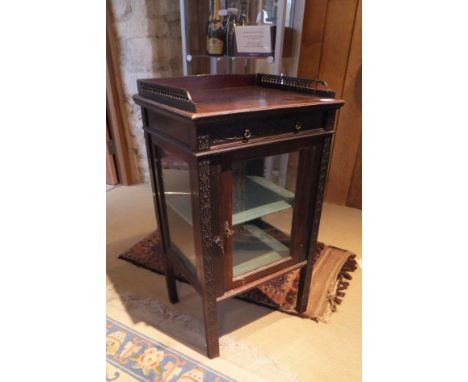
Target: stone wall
(148, 33)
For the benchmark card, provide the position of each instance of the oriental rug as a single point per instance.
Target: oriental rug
(330, 278)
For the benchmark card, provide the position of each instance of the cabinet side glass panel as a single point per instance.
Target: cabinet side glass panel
(262, 211)
(177, 194)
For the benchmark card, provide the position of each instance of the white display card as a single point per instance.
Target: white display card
(253, 39)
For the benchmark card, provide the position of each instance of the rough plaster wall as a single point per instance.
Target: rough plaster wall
(148, 33)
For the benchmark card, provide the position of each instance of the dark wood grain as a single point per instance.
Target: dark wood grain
(211, 140)
(226, 210)
(319, 175)
(209, 251)
(228, 94)
(259, 281)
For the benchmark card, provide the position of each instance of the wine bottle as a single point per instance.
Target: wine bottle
(230, 31)
(243, 14)
(223, 13)
(215, 35)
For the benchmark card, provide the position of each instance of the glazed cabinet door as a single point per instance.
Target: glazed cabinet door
(260, 216)
(269, 211)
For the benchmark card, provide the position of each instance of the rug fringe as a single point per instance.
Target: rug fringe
(330, 279)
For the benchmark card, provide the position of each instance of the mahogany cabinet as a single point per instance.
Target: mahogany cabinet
(238, 168)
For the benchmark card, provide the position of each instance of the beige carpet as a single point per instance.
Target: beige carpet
(332, 269)
(256, 343)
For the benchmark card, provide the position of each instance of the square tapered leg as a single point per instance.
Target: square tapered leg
(305, 279)
(170, 280)
(210, 313)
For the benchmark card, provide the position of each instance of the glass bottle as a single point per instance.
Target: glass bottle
(231, 24)
(215, 34)
(223, 13)
(243, 14)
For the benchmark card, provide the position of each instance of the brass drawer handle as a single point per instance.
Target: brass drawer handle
(247, 134)
(298, 126)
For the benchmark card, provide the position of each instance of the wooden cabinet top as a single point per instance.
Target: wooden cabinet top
(205, 96)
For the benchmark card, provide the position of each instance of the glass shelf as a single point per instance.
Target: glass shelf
(259, 201)
(260, 207)
(270, 59)
(254, 248)
(254, 198)
(285, 15)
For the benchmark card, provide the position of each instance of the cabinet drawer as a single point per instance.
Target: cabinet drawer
(245, 130)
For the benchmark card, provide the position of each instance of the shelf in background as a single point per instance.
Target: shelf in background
(270, 59)
(256, 196)
(253, 248)
(253, 197)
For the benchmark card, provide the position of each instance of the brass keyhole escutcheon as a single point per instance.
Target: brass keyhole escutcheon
(219, 242)
(298, 126)
(247, 134)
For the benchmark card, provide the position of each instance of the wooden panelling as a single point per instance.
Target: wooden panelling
(315, 15)
(348, 126)
(355, 189)
(331, 51)
(336, 43)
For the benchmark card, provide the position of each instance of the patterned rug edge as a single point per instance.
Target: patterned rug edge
(332, 294)
(147, 359)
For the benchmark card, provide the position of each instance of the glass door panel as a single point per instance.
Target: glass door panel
(262, 206)
(176, 183)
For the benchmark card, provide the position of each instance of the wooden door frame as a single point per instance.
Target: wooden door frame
(116, 114)
(112, 177)
(300, 236)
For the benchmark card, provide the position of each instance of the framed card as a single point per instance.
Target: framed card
(254, 39)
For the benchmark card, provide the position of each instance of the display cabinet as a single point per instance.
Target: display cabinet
(227, 223)
(284, 16)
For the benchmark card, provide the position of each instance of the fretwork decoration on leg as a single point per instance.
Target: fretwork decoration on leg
(306, 273)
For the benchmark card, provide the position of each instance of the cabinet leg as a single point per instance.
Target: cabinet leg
(170, 281)
(305, 279)
(210, 313)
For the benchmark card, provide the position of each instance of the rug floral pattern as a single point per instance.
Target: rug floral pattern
(148, 360)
